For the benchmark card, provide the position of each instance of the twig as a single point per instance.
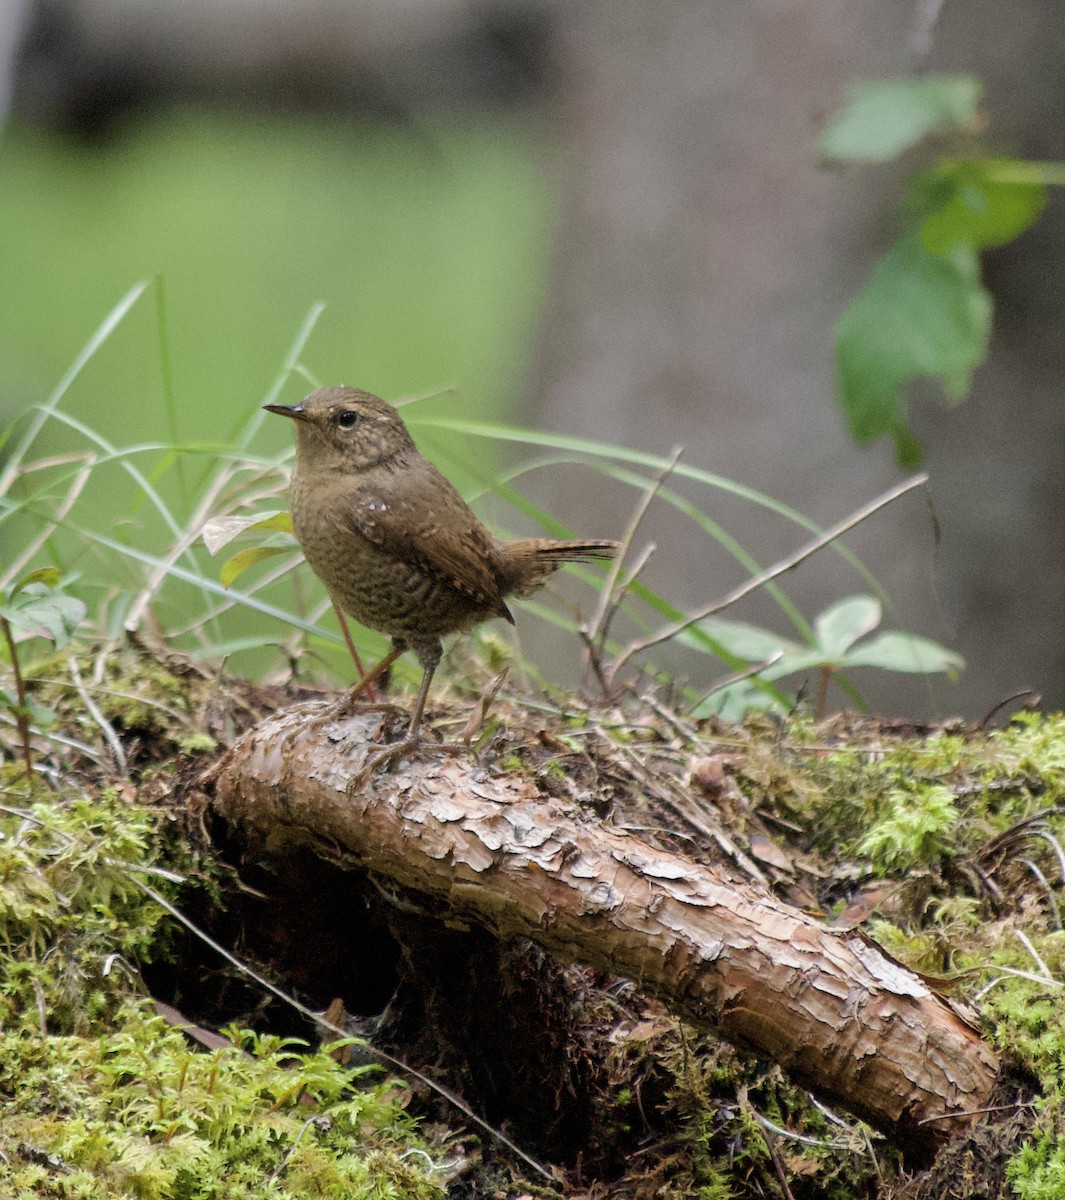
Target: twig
(610, 596)
(1042, 832)
(683, 806)
(1044, 883)
(1033, 700)
(106, 728)
(1027, 943)
(805, 1139)
(739, 677)
(976, 1112)
(770, 1142)
(275, 1173)
(1013, 973)
(668, 632)
(311, 1015)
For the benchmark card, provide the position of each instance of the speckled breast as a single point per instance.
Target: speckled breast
(378, 589)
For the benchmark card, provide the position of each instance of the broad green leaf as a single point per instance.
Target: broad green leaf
(980, 211)
(40, 714)
(921, 315)
(880, 120)
(840, 626)
(234, 567)
(731, 702)
(895, 651)
(800, 660)
(220, 531)
(52, 615)
(747, 642)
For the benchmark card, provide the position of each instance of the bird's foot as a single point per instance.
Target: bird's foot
(387, 756)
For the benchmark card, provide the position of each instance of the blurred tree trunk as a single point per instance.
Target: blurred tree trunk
(702, 259)
(12, 22)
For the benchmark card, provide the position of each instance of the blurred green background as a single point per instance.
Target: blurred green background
(426, 244)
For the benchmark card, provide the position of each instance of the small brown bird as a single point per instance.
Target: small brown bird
(396, 546)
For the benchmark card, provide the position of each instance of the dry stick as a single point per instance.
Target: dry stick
(610, 596)
(739, 676)
(782, 567)
(319, 1019)
(771, 1145)
(594, 651)
(118, 755)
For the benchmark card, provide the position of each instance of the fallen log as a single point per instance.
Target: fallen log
(829, 1006)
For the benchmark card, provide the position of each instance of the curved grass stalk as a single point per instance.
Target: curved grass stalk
(103, 331)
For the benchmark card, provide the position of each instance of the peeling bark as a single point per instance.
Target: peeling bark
(835, 1011)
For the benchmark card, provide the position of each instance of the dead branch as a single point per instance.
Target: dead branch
(669, 632)
(831, 1007)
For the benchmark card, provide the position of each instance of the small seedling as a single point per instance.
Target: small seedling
(220, 531)
(35, 606)
(840, 641)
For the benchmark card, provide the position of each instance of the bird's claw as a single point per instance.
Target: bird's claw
(387, 756)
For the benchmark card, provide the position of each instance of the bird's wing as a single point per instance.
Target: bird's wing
(417, 516)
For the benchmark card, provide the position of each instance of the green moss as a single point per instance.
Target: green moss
(909, 803)
(99, 1098)
(135, 1111)
(915, 830)
(197, 743)
(70, 907)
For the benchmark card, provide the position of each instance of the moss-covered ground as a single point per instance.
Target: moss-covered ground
(135, 1062)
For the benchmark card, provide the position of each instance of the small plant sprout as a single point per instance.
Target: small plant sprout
(839, 642)
(34, 606)
(221, 531)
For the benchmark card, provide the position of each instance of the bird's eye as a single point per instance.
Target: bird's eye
(347, 418)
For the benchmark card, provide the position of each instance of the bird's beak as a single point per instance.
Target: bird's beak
(295, 411)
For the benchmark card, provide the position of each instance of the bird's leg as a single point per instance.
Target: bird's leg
(429, 653)
(430, 660)
(351, 701)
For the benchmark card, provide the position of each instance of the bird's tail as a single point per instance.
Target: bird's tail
(529, 561)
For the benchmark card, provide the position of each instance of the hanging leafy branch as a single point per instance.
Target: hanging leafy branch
(925, 313)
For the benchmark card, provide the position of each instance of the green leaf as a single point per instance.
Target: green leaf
(895, 651)
(234, 567)
(220, 531)
(50, 615)
(920, 315)
(731, 702)
(747, 642)
(981, 211)
(40, 714)
(880, 120)
(806, 659)
(840, 626)
(48, 576)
